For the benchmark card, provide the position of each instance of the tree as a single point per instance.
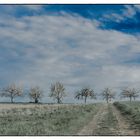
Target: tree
(11, 91)
(129, 93)
(85, 93)
(35, 93)
(108, 94)
(57, 92)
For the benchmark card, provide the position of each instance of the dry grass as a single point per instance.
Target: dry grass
(42, 119)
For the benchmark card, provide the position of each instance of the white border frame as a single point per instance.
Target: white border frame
(69, 1)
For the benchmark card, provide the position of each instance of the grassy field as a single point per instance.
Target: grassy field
(120, 118)
(45, 119)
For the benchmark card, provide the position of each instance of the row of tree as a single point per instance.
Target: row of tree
(57, 92)
(108, 94)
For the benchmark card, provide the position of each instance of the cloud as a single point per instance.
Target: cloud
(20, 10)
(39, 50)
(33, 7)
(128, 12)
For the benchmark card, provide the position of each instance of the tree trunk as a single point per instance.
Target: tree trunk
(107, 99)
(36, 100)
(12, 99)
(85, 99)
(130, 98)
(58, 100)
(134, 98)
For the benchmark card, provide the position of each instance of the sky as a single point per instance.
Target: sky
(94, 46)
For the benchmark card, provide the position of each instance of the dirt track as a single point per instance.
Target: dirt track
(96, 127)
(90, 128)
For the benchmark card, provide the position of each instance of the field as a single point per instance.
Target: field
(44, 119)
(120, 118)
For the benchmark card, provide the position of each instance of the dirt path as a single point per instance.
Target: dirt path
(124, 127)
(90, 128)
(108, 121)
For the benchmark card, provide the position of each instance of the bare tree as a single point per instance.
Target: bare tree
(57, 92)
(129, 93)
(11, 92)
(108, 94)
(85, 93)
(36, 94)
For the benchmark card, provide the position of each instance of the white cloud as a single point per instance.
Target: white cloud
(113, 16)
(8, 10)
(66, 48)
(128, 12)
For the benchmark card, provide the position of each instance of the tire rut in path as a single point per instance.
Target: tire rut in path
(123, 126)
(92, 125)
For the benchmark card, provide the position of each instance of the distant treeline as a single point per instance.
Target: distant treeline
(58, 93)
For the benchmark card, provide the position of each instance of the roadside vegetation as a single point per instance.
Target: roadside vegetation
(131, 111)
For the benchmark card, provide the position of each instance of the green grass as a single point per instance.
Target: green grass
(131, 110)
(63, 120)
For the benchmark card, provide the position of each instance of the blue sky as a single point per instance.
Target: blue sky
(93, 46)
